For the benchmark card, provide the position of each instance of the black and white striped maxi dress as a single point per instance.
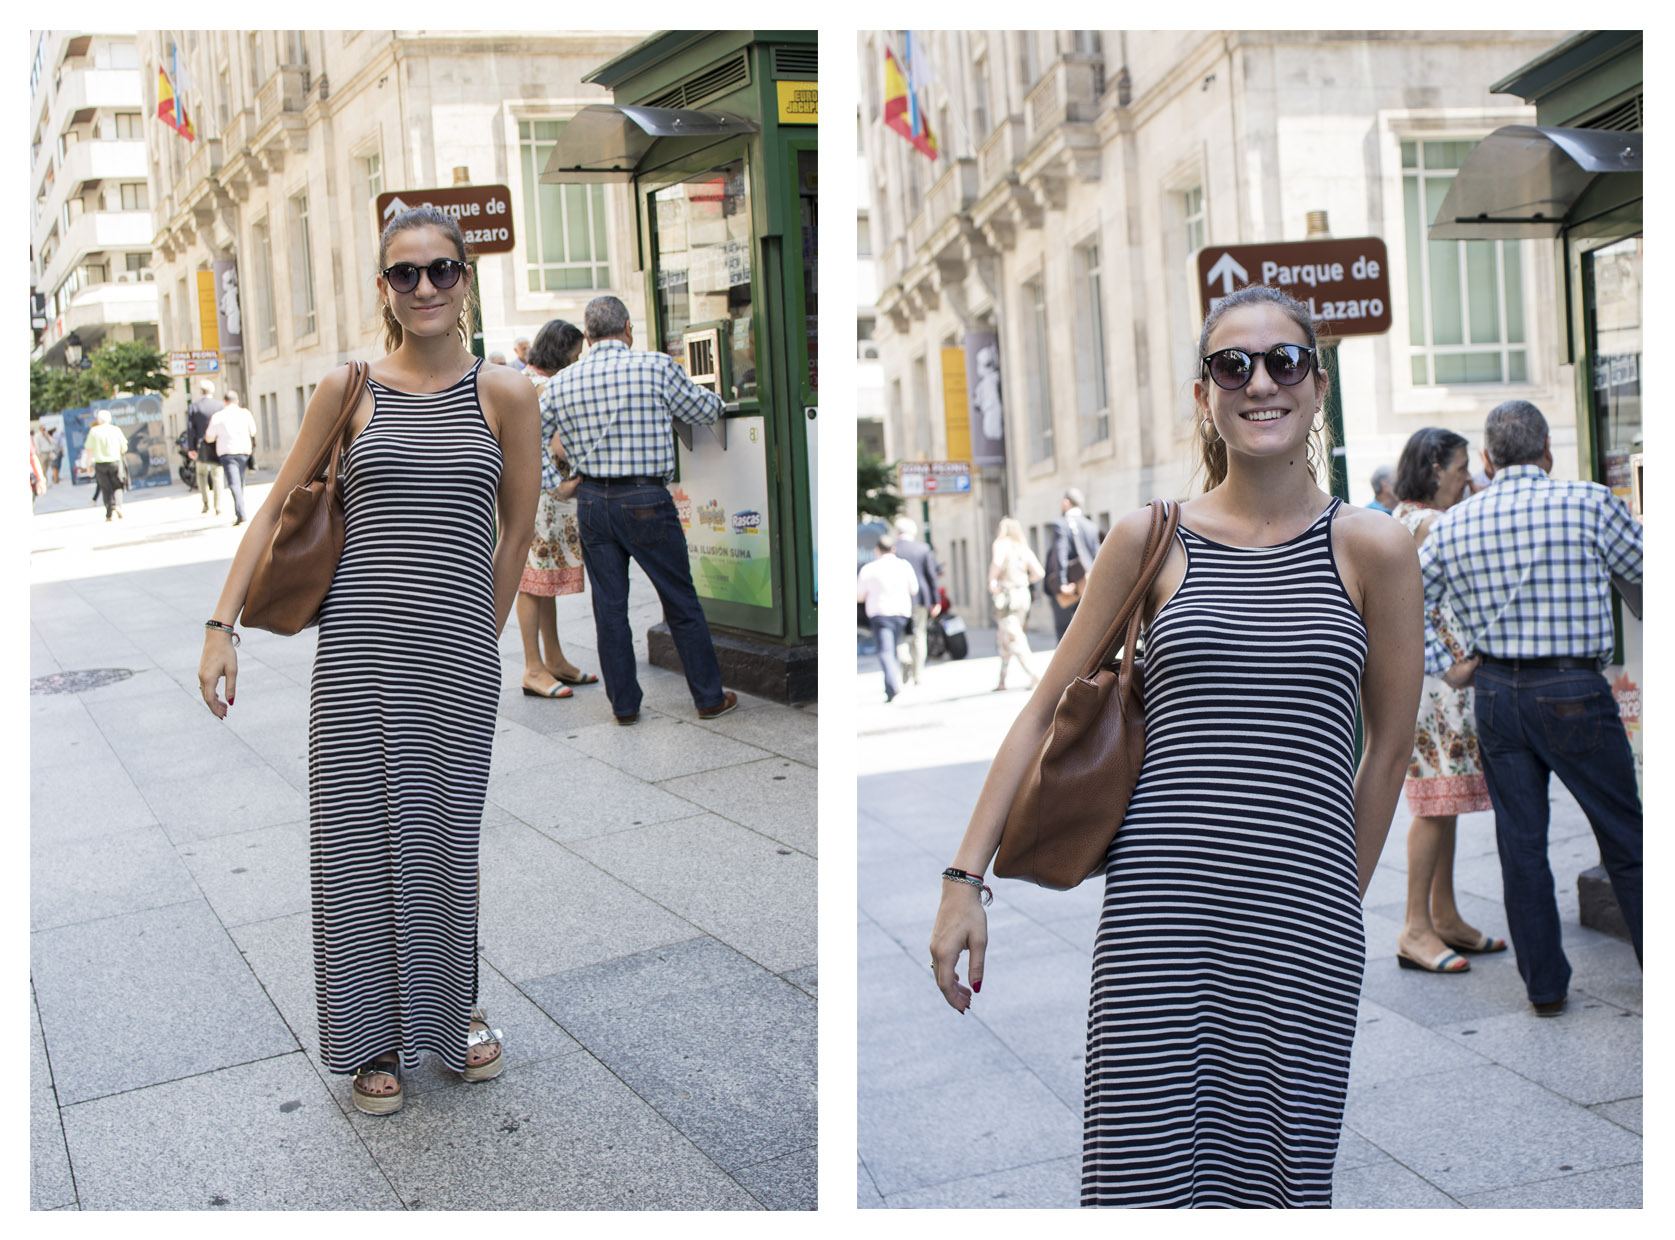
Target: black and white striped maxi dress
(1228, 963)
(401, 726)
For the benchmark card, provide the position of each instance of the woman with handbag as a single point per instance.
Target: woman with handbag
(1012, 569)
(1445, 776)
(1228, 960)
(407, 667)
(555, 557)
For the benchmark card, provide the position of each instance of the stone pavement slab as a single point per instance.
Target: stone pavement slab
(1628, 1112)
(1617, 1188)
(658, 748)
(78, 880)
(50, 1182)
(775, 797)
(743, 888)
(722, 1048)
(565, 1134)
(1386, 1185)
(259, 1136)
(68, 803)
(1051, 1185)
(580, 797)
(253, 875)
(784, 1183)
(114, 994)
(1591, 1057)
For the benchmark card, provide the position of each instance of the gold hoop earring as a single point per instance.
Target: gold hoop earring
(1320, 419)
(1207, 430)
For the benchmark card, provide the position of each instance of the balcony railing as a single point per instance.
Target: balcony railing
(204, 163)
(1000, 153)
(951, 193)
(286, 90)
(235, 138)
(1068, 92)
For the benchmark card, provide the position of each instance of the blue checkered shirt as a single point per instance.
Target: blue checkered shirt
(1525, 567)
(643, 390)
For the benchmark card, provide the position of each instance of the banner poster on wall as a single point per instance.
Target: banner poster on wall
(227, 313)
(722, 499)
(140, 419)
(988, 411)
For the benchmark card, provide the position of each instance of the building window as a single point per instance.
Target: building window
(302, 269)
(261, 245)
(1092, 401)
(564, 225)
(135, 197)
(922, 436)
(980, 126)
(137, 262)
(253, 58)
(128, 127)
(97, 273)
(1192, 208)
(1039, 386)
(1465, 298)
(863, 236)
(296, 50)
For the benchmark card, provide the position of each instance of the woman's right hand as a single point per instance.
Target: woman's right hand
(961, 925)
(218, 662)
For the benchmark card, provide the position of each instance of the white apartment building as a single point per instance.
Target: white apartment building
(298, 134)
(90, 215)
(1078, 173)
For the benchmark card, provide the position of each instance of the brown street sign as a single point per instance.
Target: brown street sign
(1345, 282)
(484, 212)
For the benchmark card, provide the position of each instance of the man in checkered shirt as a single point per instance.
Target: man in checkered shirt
(1526, 567)
(613, 410)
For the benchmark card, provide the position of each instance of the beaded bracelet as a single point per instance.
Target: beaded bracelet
(223, 628)
(974, 880)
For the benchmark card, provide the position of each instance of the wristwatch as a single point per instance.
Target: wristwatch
(565, 469)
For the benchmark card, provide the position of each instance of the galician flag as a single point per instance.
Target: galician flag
(901, 104)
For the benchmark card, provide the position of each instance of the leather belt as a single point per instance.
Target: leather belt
(635, 480)
(1550, 662)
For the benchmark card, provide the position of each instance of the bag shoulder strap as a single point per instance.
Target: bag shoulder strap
(1124, 624)
(327, 459)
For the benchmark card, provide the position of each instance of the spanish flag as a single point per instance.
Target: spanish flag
(901, 108)
(170, 110)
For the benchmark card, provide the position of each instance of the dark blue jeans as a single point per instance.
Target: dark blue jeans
(887, 632)
(619, 522)
(233, 466)
(1531, 723)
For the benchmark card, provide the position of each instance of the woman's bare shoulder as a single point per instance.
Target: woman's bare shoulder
(1372, 540)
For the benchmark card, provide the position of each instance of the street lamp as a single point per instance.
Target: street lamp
(72, 351)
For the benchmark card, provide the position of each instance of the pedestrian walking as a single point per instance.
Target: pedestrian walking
(520, 352)
(887, 587)
(37, 473)
(232, 434)
(927, 604)
(1071, 557)
(106, 447)
(200, 451)
(614, 411)
(1445, 773)
(555, 557)
(406, 669)
(1228, 959)
(1526, 568)
(57, 453)
(1013, 568)
(1385, 498)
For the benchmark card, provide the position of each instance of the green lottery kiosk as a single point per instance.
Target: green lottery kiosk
(716, 133)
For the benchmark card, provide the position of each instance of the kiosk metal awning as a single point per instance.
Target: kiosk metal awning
(1522, 181)
(607, 142)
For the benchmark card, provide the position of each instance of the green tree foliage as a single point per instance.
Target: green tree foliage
(53, 389)
(132, 366)
(875, 488)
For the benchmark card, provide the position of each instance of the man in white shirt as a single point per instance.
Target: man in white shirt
(888, 586)
(233, 432)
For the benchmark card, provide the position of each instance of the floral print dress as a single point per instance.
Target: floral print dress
(1445, 774)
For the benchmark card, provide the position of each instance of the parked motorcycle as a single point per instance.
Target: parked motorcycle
(945, 636)
(188, 467)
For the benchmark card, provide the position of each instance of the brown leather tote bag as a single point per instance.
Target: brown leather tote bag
(297, 566)
(1067, 810)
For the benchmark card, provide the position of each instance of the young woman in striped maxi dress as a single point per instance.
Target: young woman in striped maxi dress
(442, 451)
(1227, 965)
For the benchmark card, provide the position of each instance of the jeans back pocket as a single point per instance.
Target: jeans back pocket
(1573, 725)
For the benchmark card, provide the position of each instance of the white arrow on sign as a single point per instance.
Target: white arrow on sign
(397, 205)
(1226, 270)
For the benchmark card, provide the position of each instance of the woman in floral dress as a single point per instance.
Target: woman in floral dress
(1445, 775)
(555, 557)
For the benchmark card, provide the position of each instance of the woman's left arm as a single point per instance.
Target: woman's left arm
(518, 427)
(1392, 603)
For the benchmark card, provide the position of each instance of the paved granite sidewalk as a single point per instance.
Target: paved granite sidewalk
(1459, 1095)
(647, 933)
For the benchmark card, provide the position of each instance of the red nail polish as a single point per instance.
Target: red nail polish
(229, 701)
(977, 987)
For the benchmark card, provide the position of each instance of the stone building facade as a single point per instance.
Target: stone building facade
(300, 131)
(1078, 173)
(90, 224)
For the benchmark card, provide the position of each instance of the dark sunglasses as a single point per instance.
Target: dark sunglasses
(443, 273)
(1288, 365)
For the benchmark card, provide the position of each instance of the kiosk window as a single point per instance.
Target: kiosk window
(1614, 331)
(808, 188)
(703, 238)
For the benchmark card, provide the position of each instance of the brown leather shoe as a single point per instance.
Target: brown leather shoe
(1549, 1009)
(729, 700)
(627, 720)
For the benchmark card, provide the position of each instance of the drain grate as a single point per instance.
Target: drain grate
(78, 682)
